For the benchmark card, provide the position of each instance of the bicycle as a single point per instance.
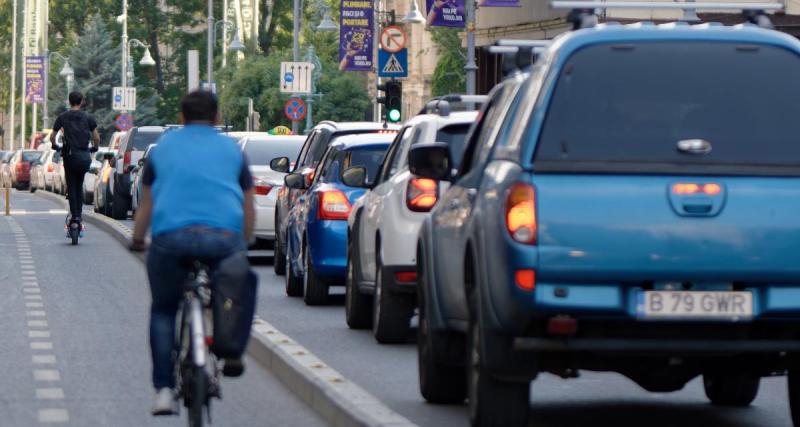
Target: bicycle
(197, 367)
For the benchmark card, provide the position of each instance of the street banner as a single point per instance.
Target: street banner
(356, 36)
(498, 3)
(446, 13)
(34, 79)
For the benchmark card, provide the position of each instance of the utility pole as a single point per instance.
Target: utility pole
(225, 34)
(296, 49)
(470, 66)
(22, 108)
(124, 43)
(46, 49)
(11, 103)
(210, 53)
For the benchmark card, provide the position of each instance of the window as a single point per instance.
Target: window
(625, 108)
(261, 152)
(368, 157)
(455, 136)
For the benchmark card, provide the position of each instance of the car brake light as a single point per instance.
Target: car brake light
(525, 279)
(521, 213)
(261, 187)
(405, 276)
(19, 167)
(333, 205)
(421, 194)
(51, 167)
(709, 189)
(126, 160)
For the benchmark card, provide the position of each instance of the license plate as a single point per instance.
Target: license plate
(695, 304)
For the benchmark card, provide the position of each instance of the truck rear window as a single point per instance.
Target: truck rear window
(625, 108)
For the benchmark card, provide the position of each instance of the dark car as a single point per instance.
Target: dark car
(591, 226)
(132, 146)
(310, 155)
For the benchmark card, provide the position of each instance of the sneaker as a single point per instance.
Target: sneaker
(233, 367)
(165, 402)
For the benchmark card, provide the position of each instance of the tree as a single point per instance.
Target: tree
(449, 76)
(96, 62)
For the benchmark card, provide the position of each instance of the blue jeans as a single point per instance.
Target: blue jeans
(167, 276)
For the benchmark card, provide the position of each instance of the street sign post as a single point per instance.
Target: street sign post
(393, 64)
(296, 77)
(124, 122)
(295, 109)
(124, 99)
(393, 39)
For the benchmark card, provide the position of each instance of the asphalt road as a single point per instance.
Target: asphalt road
(600, 399)
(74, 327)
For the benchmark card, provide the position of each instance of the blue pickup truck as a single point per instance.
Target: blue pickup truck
(630, 204)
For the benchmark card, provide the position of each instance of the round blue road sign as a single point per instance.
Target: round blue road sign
(124, 122)
(295, 109)
(288, 77)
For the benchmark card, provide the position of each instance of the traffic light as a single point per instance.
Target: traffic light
(392, 100)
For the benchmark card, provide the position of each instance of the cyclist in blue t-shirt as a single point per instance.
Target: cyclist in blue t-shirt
(198, 201)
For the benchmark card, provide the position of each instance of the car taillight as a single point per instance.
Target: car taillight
(333, 205)
(709, 189)
(521, 213)
(126, 160)
(405, 276)
(51, 167)
(421, 194)
(261, 187)
(19, 167)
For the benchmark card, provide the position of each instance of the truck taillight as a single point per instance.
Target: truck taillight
(421, 194)
(521, 213)
(709, 189)
(126, 160)
(261, 187)
(333, 205)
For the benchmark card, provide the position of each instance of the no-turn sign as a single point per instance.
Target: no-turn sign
(393, 39)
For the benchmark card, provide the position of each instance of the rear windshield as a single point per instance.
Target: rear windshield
(370, 158)
(142, 140)
(260, 153)
(625, 108)
(456, 138)
(31, 156)
(320, 145)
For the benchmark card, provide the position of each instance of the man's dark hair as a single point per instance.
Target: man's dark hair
(75, 98)
(199, 106)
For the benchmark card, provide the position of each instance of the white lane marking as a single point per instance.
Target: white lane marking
(38, 334)
(53, 393)
(36, 313)
(34, 304)
(43, 359)
(41, 345)
(31, 290)
(53, 416)
(33, 297)
(37, 323)
(30, 284)
(46, 375)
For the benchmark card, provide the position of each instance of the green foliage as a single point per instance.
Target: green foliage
(449, 76)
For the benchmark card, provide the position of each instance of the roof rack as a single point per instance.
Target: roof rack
(518, 54)
(582, 13)
(442, 107)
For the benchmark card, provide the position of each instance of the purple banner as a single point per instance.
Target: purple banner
(498, 3)
(356, 36)
(34, 79)
(446, 13)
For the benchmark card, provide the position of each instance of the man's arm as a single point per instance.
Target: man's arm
(143, 216)
(249, 215)
(96, 138)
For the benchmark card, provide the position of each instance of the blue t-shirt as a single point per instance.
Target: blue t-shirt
(198, 177)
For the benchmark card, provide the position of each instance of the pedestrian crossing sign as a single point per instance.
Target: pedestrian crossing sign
(393, 64)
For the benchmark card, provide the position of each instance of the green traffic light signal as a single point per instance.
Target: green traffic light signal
(392, 101)
(393, 115)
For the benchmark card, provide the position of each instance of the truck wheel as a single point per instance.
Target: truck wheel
(493, 402)
(357, 306)
(294, 284)
(731, 389)
(391, 314)
(438, 382)
(315, 290)
(794, 395)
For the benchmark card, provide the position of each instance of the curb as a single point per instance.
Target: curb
(335, 399)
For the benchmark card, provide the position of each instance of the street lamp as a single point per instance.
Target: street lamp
(66, 72)
(327, 23)
(147, 59)
(414, 16)
(236, 43)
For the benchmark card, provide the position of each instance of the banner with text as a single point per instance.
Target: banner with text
(34, 79)
(446, 13)
(498, 3)
(356, 36)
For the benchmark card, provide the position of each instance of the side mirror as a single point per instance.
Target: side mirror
(430, 160)
(280, 164)
(141, 162)
(295, 181)
(355, 177)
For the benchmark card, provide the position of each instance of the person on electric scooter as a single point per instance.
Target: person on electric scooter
(78, 128)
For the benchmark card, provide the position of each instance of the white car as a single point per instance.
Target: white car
(384, 223)
(259, 150)
(91, 176)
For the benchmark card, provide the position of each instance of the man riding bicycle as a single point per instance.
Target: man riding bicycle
(198, 198)
(78, 128)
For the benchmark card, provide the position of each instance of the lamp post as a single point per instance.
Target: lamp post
(147, 59)
(470, 67)
(311, 56)
(66, 72)
(210, 48)
(11, 109)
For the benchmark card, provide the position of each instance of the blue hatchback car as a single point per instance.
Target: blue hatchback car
(630, 204)
(316, 244)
